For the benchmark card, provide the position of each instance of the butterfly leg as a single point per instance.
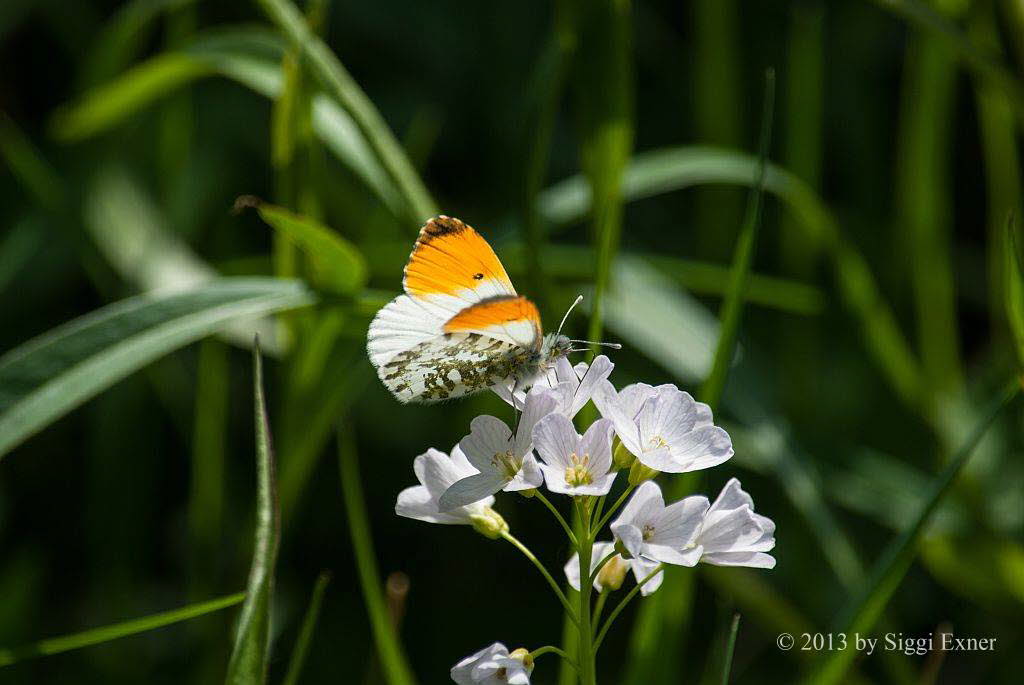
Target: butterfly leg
(516, 411)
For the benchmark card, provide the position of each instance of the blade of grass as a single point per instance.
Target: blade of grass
(340, 85)
(23, 242)
(730, 647)
(1014, 271)
(665, 170)
(389, 649)
(305, 637)
(606, 102)
(923, 195)
(251, 654)
(717, 112)
(547, 83)
(47, 377)
(864, 611)
(95, 636)
(743, 258)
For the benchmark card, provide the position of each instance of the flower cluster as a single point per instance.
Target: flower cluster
(644, 431)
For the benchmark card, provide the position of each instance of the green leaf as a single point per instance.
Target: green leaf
(112, 103)
(337, 264)
(862, 614)
(730, 647)
(389, 649)
(1014, 275)
(251, 654)
(95, 636)
(47, 377)
(306, 632)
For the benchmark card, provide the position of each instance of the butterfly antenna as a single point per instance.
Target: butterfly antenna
(579, 298)
(614, 346)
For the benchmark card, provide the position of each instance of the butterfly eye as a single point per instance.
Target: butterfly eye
(477, 277)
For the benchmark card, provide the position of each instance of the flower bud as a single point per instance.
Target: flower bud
(489, 523)
(523, 655)
(638, 473)
(622, 458)
(613, 573)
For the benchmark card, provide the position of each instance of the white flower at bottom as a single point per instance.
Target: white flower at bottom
(733, 535)
(504, 461)
(650, 530)
(611, 574)
(494, 666)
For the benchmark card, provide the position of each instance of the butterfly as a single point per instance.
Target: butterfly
(460, 327)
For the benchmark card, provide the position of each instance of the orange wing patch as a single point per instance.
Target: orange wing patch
(449, 258)
(511, 318)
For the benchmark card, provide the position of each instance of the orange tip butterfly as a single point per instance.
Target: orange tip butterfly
(460, 327)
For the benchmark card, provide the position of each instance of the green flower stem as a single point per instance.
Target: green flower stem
(559, 517)
(611, 512)
(585, 652)
(544, 572)
(599, 606)
(551, 649)
(600, 565)
(622, 605)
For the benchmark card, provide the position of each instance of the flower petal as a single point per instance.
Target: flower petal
(539, 403)
(417, 503)
(752, 559)
(555, 439)
(470, 490)
(487, 436)
(529, 476)
(596, 443)
(641, 569)
(593, 375)
(610, 405)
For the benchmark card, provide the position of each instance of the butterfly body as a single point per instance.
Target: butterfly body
(460, 327)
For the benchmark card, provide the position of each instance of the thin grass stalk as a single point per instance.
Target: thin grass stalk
(861, 615)
(548, 84)
(305, 638)
(659, 630)
(717, 116)
(730, 647)
(923, 207)
(1002, 166)
(340, 85)
(116, 631)
(389, 649)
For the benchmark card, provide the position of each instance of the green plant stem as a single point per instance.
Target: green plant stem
(551, 649)
(544, 572)
(561, 519)
(585, 651)
(95, 636)
(600, 565)
(730, 647)
(622, 605)
(389, 650)
(611, 512)
(602, 597)
(340, 85)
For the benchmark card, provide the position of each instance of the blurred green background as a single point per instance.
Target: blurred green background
(878, 321)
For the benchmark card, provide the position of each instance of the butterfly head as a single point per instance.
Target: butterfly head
(553, 346)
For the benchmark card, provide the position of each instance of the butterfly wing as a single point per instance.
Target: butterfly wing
(459, 327)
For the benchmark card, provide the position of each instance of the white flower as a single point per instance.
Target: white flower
(505, 462)
(436, 472)
(665, 428)
(575, 465)
(650, 530)
(611, 575)
(494, 666)
(573, 385)
(733, 535)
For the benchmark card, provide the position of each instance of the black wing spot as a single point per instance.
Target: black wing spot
(477, 277)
